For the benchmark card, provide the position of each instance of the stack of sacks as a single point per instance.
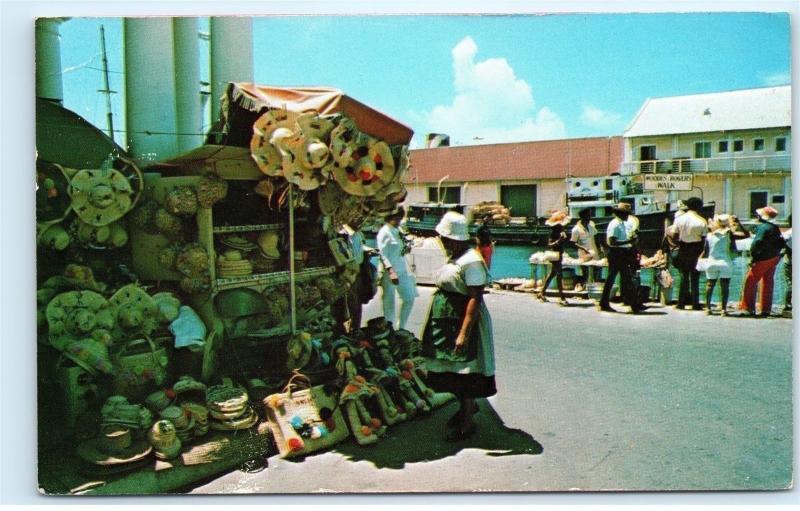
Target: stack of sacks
(501, 215)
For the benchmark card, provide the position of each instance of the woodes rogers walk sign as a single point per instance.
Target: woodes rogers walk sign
(668, 182)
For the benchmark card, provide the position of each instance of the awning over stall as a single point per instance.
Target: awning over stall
(243, 103)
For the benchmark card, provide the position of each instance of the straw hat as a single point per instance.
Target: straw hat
(238, 242)
(263, 149)
(368, 174)
(52, 200)
(244, 421)
(345, 140)
(622, 207)
(313, 153)
(226, 398)
(230, 264)
(164, 439)
(96, 451)
(767, 213)
(268, 244)
(157, 401)
(168, 306)
(299, 351)
(558, 218)
(54, 237)
(136, 310)
(176, 416)
(304, 177)
(453, 225)
(186, 386)
(91, 355)
(312, 125)
(77, 315)
(100, 196)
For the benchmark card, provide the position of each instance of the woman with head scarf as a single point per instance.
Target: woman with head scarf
(457, 337)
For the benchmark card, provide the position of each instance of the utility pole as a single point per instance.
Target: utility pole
(106, 90)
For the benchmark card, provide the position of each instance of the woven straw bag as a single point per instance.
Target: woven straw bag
(304, 419)
(137, 375)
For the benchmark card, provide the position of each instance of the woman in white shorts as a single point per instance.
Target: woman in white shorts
(718, 260)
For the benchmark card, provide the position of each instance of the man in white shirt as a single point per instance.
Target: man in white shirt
(620, 261)
(396, 277)
(689, 230)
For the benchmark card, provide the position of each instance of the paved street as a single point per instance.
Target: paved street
(587, 400)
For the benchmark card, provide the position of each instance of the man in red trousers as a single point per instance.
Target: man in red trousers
(766, 253)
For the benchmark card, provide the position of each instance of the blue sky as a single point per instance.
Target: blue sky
(484, 78)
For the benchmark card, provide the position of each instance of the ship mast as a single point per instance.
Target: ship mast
(106, 89)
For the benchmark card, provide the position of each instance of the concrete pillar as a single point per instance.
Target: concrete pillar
(188, 102)
(231, 55)
(627, 157)
(727, 194)
(787, 195)
(150, 88)
(48, 60)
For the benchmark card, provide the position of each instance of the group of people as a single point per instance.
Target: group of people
(695, 245)
(709, 246)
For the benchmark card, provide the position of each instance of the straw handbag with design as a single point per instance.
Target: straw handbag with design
(303, 418)
(140, 367)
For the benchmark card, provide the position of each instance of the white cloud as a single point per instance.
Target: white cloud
(777, 79)
(597, 118)
(491, 104)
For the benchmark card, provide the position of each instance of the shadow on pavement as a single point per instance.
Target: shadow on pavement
(422, 439)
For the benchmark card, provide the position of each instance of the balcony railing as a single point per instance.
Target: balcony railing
(737, 164)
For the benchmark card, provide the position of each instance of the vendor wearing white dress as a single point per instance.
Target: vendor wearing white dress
(396, 276)
(457, 337)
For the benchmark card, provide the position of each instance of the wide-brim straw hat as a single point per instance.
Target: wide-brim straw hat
(268, 244)
(245, 421)
(226, 398)
(90, 355)
(345, 140)
(238, 242)
(93, 451)
(558, 218)
(313, 153)
(305, 178)
(312, 125)
(453, 225)
(169, 306)
(94, 311)
(100, 197)
(136, 309)
(721, 222)
(267, 156)
(767, 213)
(367, 175)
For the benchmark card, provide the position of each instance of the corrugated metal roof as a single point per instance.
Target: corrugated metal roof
(549, 159)
(767, 107)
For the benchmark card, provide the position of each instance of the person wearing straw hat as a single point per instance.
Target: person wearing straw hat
(620, 261)
(457, 337)
(396, 276)
(555, 243)
(766, 253)
(689, 230)
(718, 253)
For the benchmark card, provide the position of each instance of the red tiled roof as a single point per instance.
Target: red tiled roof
(547, 159)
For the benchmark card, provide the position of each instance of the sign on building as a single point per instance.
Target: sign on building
(668, 182)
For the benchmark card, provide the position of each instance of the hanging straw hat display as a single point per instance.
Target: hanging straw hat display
(77, 315)
(100, 196)
(371, 172)
(312, 125)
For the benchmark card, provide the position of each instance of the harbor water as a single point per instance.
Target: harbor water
(512, 262)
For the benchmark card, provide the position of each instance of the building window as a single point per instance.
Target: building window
(780, 144)
(778, 199)
(702, 149)
(738, 146)
(722, 147)
(758, 144)
(446, 194)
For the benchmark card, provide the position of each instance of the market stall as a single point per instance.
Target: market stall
(187, 307)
